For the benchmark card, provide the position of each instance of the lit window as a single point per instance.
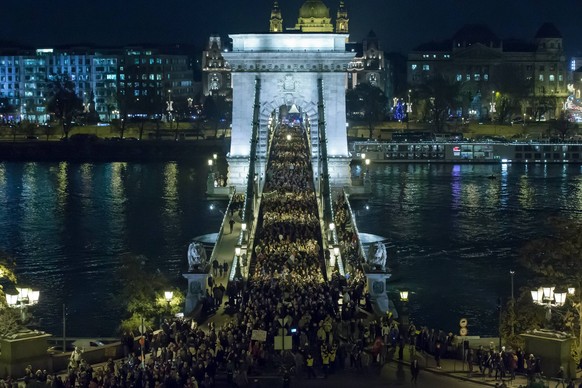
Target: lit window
(486, 77)
(459, 77)
(477, 77)
(413, 66)
(425, 67)
(541, 77)
(136, 92)
(552, 78)
(468, 77)
(560, 77)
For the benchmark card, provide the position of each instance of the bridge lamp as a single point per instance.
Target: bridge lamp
(210, 162)
(367, 162)
(363, 156)
(214, 156)
(168, 295)
(237, 250)
(331, 226)
(243, 226)
(288, 137)
(404, 296)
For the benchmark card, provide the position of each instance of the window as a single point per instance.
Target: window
(468, 77)
(541, 77)
(459, 77)
(413, 66)
(136, 92)
(560, 77)
(486, 77)
(552, 78)
(477, 77)
(425, 67)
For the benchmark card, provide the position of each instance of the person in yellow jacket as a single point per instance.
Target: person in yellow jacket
(332, 356)
(325, 360)
(309, 363)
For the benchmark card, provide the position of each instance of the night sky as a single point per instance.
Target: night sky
(401, 25)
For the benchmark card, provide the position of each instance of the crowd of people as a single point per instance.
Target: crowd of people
(288, 293)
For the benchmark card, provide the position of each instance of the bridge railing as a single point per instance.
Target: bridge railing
(222, 226)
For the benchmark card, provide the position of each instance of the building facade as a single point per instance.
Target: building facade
(489, 68)
(100, 77)
(215, 70)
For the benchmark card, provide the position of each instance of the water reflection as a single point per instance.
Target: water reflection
(454, 234)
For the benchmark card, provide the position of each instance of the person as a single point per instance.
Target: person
(309, 363)
(437, 354)
(414, 370)
(225, 268)
(231, 223)
(215, 266)
(470, 360)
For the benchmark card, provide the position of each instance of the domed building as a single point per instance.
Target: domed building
(314, 16)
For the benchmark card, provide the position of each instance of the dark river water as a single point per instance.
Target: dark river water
(454, 233)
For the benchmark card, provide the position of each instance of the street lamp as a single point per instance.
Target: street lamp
(547, 297)
(404, 301)
(168, 295)
(169, 107)
(408, 108)
(26, 297)
(492, 105)
(331, 229)
(511, 273)
(237, 254)
(336, 253)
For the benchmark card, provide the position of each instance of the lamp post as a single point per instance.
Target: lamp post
(26, 297)
(336, 253)
(404, 301)
(331, 229)
(168, 295)
(408, 109)
(243, 228)
(547, 297)
(492, 105)
(237, 257)
(169, 107)
(511, 273)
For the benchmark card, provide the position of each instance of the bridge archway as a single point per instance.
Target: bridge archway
(306, 70)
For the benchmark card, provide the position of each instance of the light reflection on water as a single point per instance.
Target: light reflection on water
(454, 243)
(453, 231)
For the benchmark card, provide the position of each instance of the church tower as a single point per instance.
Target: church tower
(276, 24)
(341, 21)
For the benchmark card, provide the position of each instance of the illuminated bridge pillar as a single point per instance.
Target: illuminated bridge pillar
(288, 66)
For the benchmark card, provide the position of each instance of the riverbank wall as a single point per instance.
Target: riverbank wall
(110, 151)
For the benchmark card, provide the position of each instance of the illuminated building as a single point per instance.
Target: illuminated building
(487, 65)
(215, 70)
(148, 78)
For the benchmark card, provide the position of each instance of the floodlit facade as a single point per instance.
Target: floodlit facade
(488, 65)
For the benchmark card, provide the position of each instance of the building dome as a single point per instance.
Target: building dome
(313, 9)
